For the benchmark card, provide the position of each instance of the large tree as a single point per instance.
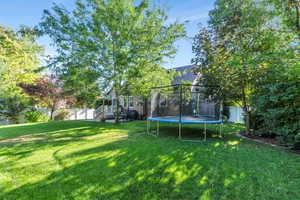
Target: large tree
(114, 39)
(19, 58)
(237, 50)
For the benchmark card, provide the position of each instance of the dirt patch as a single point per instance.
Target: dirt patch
(27, 138)
(269, 141)
(40, 139)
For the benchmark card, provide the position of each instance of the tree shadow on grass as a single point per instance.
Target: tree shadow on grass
(23, 146)
(144, 168)
(9, 132)
(55, 131)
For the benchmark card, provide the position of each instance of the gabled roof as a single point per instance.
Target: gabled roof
(188, 74)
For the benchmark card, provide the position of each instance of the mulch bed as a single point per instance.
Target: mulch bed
(270, 141)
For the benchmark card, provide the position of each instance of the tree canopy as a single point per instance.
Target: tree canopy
(113, 40)
(19, 58)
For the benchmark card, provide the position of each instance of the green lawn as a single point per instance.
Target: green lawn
(90, 160)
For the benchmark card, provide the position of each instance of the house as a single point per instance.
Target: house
(133, 104)
(187, 75)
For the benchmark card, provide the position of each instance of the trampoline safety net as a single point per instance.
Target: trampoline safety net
(184, 103)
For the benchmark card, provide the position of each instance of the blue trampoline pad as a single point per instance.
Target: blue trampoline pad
(187, 120)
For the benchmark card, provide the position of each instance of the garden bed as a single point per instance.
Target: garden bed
(267, 140)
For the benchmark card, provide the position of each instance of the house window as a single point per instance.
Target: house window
(128, 102)
(131, 103)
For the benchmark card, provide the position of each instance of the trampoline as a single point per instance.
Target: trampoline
(185, 104)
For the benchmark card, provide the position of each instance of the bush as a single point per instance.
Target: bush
(36, 116)
(278, 104)
(61, 115)
(11, 107)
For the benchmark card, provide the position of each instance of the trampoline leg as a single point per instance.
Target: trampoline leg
(148, 126)
(204, 131)
(221, 128)
(157, 130)
(179, 131)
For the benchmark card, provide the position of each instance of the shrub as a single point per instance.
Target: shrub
(36, 116)
(62, 115)
(11, 107)
(278, 104)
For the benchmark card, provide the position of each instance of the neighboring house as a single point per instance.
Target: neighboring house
(126, 103)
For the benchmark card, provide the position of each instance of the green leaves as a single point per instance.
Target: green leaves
(19, 58)
(278, 103)
(115, 40)
(247, 45)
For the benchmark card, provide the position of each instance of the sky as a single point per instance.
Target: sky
(13, 13)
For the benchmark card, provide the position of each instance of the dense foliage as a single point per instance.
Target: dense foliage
(12, 106)
(33, 116)
(19, 63)
(19, 58)
(278, 108)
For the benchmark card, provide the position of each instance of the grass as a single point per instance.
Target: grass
(90, 160)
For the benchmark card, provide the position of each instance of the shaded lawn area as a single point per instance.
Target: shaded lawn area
(92, 160)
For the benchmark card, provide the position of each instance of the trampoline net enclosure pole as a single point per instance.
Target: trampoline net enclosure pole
(148, 123)
(179, 130)
(204, 131)
(221, 129)
(157, 130)
(180, 111)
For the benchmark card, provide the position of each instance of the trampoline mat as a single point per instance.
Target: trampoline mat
(187, 119)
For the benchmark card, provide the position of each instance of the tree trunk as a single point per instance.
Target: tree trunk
(103, 111)
(145, 108)
(247, 111)
(52, 112)
(117, 115)
(247, 121)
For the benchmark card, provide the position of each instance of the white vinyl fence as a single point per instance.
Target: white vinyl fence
(236, 114)
(75, 113)
(81, 114)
